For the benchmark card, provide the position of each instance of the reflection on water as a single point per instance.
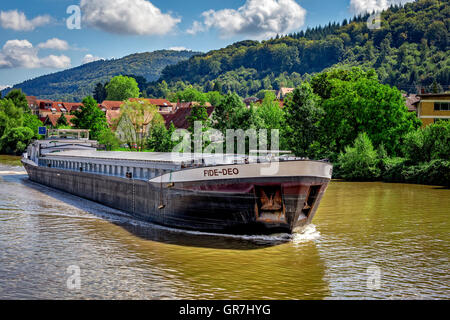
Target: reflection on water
(400, 229)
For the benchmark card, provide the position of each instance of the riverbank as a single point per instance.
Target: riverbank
(10, 160)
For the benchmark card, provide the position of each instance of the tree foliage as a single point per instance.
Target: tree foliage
(122, 88)
(354, 101)
(90, 117)
(359, 162)
(303, 114)
(136, 118)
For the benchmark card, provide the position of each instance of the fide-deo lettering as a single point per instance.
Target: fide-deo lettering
(221, 172)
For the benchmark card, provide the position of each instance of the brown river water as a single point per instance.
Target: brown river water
(368, 241)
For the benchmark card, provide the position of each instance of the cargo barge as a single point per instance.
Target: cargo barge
(235, 194)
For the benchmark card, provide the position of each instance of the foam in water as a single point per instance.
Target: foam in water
(308, 233)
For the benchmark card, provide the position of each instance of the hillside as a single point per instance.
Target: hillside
(74, 84)
(409, 50)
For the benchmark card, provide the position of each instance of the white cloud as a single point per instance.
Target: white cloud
(4, 86)
(197, 27)
(258, 18)
(138, 17)
(57, 62)
(364, 6)
(22, 54)
(90, 58)
(54, 43)
(179, 49)
(17, 20)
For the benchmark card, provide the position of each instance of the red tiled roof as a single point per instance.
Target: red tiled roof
(72, 106)
(53, 119)
(411, 101)
(179, 117)
(57, 105)
(32, 100)
(111, 105)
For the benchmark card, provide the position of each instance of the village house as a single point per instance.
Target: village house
(433, 107)
(33, 104)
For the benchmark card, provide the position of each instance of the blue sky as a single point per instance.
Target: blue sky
(35, 40)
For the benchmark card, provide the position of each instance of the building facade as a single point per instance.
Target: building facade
(433, 107)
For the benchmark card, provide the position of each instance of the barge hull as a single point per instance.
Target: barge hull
(222, 206)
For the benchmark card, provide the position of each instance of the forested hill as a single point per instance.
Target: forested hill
(410, 49)
(74, 84)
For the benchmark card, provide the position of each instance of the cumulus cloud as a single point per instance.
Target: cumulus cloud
(4, 86)
(179, 49)
(17, 20)
(258, 18)
(90, 58)
(364, 6)
(54, 43)
(22, 54)
(138, 17)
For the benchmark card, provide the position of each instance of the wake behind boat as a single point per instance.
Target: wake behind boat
(236, 194)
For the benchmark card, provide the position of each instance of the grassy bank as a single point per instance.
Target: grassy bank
(10, 160)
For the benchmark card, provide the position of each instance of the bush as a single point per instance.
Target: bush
(359, 162)
(429, 143)
(392, 169)
(108, 139)
(436, 172)
(15, 140)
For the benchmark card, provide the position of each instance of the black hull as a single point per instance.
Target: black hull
(220, 206)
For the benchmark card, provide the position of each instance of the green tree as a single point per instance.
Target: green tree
(62, 121)
(303, 115)
(191, 94)
(217, 87)
(214, 97)
(160, 138)
(355, 102)
(19, 99)
(15, 140)
(122, 88)
(225, 112)
(136, 118)
(90, 117)
(32, 121)
(100, 93)
(10, 116)
(107, 138)
(272, 117)
(359, 162)
(200, 114)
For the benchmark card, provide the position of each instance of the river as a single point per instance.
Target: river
(368, 241)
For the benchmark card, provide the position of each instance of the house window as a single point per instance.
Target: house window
(441, 106)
